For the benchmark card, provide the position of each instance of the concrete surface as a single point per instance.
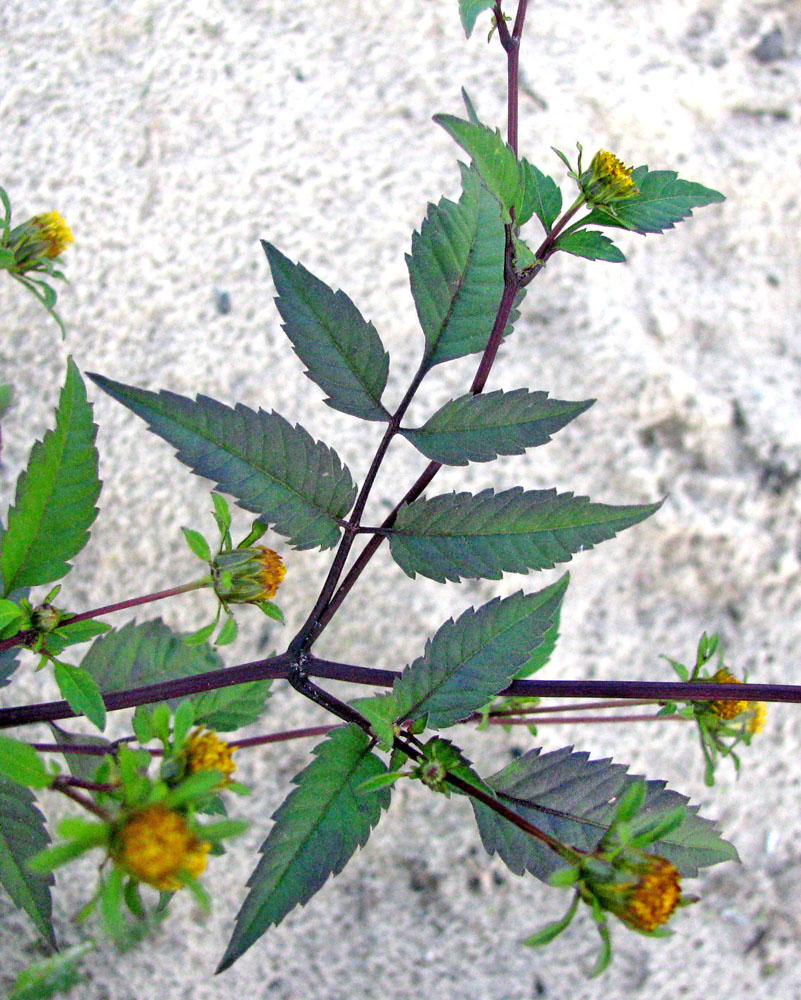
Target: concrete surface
(173, 135)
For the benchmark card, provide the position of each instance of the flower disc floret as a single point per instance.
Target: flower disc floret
(727, 710)
(205, 751)
(757, 716)
(156, 846)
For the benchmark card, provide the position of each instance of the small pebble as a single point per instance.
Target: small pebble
(770, 47)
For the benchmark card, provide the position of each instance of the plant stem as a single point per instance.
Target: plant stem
(556, 720)
(280, 667)
(82, 800)
(576, 707)
(30, 634)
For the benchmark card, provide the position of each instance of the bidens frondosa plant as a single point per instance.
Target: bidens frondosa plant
(148, 804)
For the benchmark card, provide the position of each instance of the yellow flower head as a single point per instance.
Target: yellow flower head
(727, 710)
(207, 752)
(53, 230)
(248, 576)
(607, 180)
(156, 845)
(757, 716)
(651, 901)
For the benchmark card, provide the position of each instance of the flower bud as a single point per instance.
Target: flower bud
(642, 890)
(46, 235)
(727, 710)
(45, 618)
(607, 180)
(247, 576)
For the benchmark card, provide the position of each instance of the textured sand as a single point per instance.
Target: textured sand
(174, 135)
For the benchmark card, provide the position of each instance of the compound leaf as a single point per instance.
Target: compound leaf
(54, 506)
(278, 471)
(591, 244)
(456, 272)
(317, 829)
(468, 661)
(487, 534)
(664, 200)
(22, 835)
(574, 799)
(479, 428)
(469, 11)
(341, 350)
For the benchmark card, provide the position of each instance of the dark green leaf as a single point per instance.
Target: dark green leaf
(278, 471)
(591, 244)
(664, 199)
(138, 655)
(80, 689)
(341, 350)
(544, 651)
(456, 272)
(540, 197)
(317, 829)
(54, 503)
(22, 835)
(575, 799)
(468, 661)
(8, 664)
(479, 428)
(493, 159)
(485, 535)
(230, 708)
(73, 634)
(469, 11)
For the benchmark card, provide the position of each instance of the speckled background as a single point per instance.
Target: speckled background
(173, 135)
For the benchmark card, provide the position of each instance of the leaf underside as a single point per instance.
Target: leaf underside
(664, 200)
(54, 506)
(22, 835)
(468, 661)
(479, 428)
(574, 799)
(296, 484)
(139, 655)
(317, 830)
(456, 272)
(487, 534)
(341, 350)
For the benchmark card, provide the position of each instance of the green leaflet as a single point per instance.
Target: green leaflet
(317, 829)
(22, 835)
(591, 244)
(278, 471)
(574, 799)
(53, 975)
(479, 428)
(517, 185)
(544, 650)
(138, 655)
(493, 159)
(456, 272)
(469, 11)
(80, 689)
(342, 352)
(54, 506)
(540, 196)
(664, 199)
(21, 764)
(487, 534)
(468, 661)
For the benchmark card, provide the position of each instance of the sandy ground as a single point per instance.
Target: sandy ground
(174, 135)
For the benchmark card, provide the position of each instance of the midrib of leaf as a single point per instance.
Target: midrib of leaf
(460, 284)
